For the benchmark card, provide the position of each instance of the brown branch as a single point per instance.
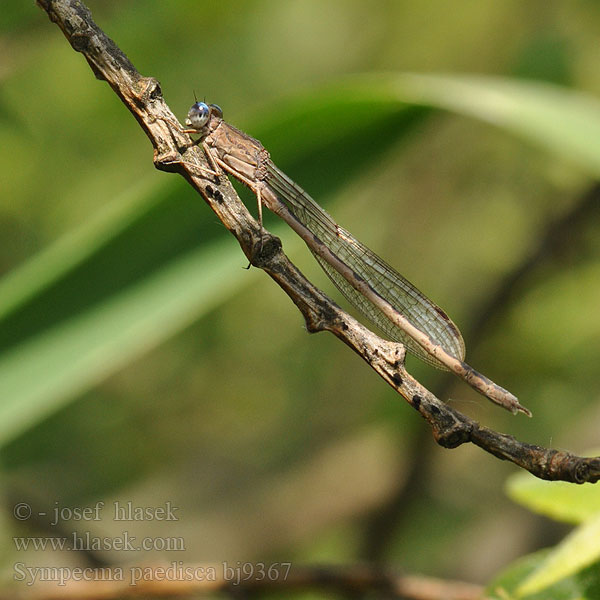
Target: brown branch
(553, 243)
(187, 580)
(172, 148)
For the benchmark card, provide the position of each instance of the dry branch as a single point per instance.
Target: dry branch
(172, 151)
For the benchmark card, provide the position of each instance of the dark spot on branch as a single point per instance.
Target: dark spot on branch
(398, 381)
(214, 193)
(581, 473)
(155, 91)
(80, 42)
(416, 400)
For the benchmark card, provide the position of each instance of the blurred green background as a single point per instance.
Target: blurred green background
(140, 361)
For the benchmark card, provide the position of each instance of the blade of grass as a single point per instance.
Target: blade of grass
(43, 373)
(360, 117)
(560, 120)
(105, 294)
(54, 262)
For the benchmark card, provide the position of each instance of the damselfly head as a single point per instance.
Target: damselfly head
(200, 113)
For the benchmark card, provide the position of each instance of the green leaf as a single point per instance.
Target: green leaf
(558, 500)
(43, 373)
(578, 550)
(324, 138)
(582, 586)
(560, 120)
(56, 261)
(52, 309)
(142, 269)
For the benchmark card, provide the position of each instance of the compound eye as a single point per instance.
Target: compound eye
(198, 115)
(215, 109)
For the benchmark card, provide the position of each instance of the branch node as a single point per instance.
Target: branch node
(147, 90)
(451, 433)
(265, 250)
(168, 161)
(582, 472)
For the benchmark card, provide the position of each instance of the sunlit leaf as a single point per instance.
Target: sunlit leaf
(555, 499)
(577, 551)
(47, 370)
(582, 586)
(558, 119)
(47, 267)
